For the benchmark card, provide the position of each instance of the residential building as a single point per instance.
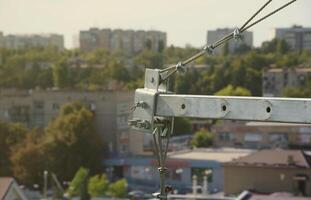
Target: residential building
(259, 135)
(130, 42)
(31, 40)
(214, 35)
(142, 172)
(297, 37)
(275, 80)
(37, 108)
(269, 171)
(9, 189)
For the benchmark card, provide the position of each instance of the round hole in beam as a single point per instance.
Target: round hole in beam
(224, 107)
(183, 106)
(268, 109)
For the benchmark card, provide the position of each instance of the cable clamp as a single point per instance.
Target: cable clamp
(162, 169)
(237, 34)
(208, 49)
(180, 67)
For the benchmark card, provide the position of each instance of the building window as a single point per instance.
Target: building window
(55, 106)
(38, 105)
(278, 137)
(19, 114)
(123, 148)
(302, 80)
(226, 137)
(252, 137)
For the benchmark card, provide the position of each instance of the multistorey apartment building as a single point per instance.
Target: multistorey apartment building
(110, 108)
(275, 80)
(297, 37)
(258, 135)
(31, 40)
(129, 42)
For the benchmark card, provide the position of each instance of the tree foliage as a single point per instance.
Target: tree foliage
(76, 185)
(98, 185)
(182, 126)
(202, 138)
(69, 142)
(28, 159)
(118, 189)
(10, 136)
(48, 67)
(231, 91)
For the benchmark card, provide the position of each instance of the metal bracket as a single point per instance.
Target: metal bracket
(144, 118)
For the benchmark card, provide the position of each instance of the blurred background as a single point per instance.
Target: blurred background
(68, 72)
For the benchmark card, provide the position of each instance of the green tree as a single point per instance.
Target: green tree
(202, 138)
(149, 59)
(225, 49)
(118, 189)
(10, 135)
(70, 140)
(282, 47)
(231, 91)
(28, 159)
(182, 126)
(77, 183)
(60, 75)
(98, 185)
(296, 92)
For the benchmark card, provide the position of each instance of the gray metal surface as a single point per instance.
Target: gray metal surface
(143, 116)
(235, 108)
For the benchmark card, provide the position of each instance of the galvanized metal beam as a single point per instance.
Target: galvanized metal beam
(234, 108)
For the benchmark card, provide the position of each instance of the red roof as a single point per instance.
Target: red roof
(5, 183)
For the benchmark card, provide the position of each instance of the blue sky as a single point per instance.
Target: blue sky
(185, 21)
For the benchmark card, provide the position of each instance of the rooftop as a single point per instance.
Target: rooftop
(275, 158)
(277, 196)
(297, 69)
(5, 183)
(219, 155)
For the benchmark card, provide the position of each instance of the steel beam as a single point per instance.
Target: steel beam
(234, 108)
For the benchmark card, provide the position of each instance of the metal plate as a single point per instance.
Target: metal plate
(144, 114)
